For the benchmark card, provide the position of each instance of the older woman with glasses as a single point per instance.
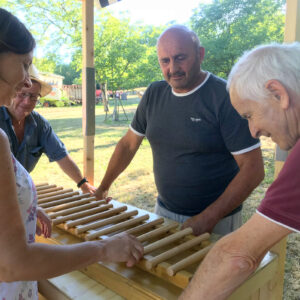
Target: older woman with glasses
(21, 260)
(30, 134)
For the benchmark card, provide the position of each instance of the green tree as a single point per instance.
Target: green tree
(54, 24)
(227, 28)
(148, 69)
(47, 63)
(117, 51)
(71, 75)
(125, 54)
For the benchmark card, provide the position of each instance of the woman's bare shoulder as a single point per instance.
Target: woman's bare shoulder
(3, 134)
(4, 143)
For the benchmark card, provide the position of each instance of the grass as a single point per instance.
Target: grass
(136, 184)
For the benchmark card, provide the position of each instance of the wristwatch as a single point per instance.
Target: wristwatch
(81, 182)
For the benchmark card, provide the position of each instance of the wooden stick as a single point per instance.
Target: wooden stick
(172, 270)
(40, 184)
(157, 232)
(116, 227)
(97, 216)
(45, 187)
(174, 251)
(145, 226)
(105, 222)
(66, 200)
(54, 193)
(68, 205)
(76, 209)
(167, 240)
(62, 196)
(58, 188)
(87, 212)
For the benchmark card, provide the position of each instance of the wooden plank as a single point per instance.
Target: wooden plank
(88, 89)
(53, 192)
(266, 291)
(157, 232)
(276, 285)
(176, 250)
(181, 279)
(103, 211)
(292, 21)
(102, 223)
(76, 286)
(131, 283)
(72, 210)
(54, 189)
(41, 184)
(67, 205)
(135, 283)
(88, 157)
(167, 240)
(75, 216)
(196, 257)
(61, 196)
(256, 296)
(116, 227)
(44, 187)
(62, 201)
(138, 229)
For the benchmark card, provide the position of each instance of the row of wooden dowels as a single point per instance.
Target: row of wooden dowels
(75, 209)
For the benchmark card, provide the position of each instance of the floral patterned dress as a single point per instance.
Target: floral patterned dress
(21, 290)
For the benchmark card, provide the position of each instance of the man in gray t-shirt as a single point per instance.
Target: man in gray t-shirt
(205, 161)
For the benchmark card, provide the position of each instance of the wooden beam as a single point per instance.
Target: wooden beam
(88, 88)
(292, 21)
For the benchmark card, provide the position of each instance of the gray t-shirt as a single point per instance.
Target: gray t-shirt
(193, 137)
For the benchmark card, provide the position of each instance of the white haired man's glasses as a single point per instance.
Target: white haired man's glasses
(33, 98)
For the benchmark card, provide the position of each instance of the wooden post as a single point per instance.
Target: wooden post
(104, 98)
(291, 34)
(292, 21)
(88, 88)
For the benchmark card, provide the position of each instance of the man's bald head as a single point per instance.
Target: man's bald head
(180, 32)
(180, 56)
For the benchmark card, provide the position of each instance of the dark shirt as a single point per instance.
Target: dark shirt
(193, 137)
(39, 138)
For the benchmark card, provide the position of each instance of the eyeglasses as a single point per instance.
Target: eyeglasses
(33, 98)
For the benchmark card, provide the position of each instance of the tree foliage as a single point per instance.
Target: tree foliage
(47, 63)
(227, 28)
(125, 53)
(53, 23)
(69, 72)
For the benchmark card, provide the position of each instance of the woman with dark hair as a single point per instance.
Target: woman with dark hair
(22, 260)
(14, 36)
(16, 46)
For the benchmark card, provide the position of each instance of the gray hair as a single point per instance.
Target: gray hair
(256, 67)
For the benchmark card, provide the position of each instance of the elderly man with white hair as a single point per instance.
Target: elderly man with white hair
(264, 86)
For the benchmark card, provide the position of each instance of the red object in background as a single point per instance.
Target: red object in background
(98, 93)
